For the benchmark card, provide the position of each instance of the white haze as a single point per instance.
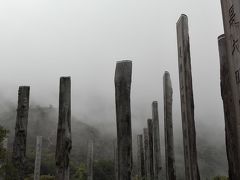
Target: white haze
(41, 40)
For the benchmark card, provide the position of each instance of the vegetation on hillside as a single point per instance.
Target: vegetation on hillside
(43, 121)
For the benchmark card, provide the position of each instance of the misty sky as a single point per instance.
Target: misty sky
(41, 40)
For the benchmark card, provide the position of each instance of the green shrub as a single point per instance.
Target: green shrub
(220, 178)
(46, 177)
(81, 172)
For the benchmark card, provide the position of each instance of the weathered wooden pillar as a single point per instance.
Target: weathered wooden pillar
(150, 141)
(37, 167)
(231, 22)
(90, 162)
(168, 127)
(123, 77)
(156, 142)
(4, 146)
(19, 144)
(115, 160)
(229, 111)
(187, 103)
(140, 153)
(139, 176)
(146, 154)
(64, 140)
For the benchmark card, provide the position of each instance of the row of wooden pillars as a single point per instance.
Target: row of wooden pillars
(149, 142)
(149, 152)
(64, 140)
(149, 149)
(149, 165)
(229, 52)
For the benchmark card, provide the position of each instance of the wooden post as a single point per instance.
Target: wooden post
(115, 160)
(37, 167)
(150, 141)
(229, 111)
(141, 165)
(123, 77)
(19, 144)
(4, 161)
(231, 22)
(8, 160)
(64, 140)
(146, 154)
(168, 126)
(156, 142)
(90, 162)
(187, 102)
(139, 176)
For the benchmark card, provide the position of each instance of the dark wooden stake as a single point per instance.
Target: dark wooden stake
(19, 144)
(187, 103)
(231, 19)
(123, 77)
(168, 126)
(115, 160)
(151, 157)
(229, 111)
(156, 142)
(64, 140)
(141, 165)
(146, 154)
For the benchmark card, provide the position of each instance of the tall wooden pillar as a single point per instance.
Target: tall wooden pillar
(123, 77)
(187, 103)
(64, 140)
(140, 153)
(156, 142)
(4, 162)
(229, 111)
(231, 22)
(115, 160)
(168, 126)
(20, 141)
(146, 154)
(150, 142)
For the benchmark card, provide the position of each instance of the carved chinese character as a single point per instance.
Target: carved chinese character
(235, 45)
(232, 16)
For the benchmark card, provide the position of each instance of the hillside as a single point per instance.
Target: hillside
(43, 122)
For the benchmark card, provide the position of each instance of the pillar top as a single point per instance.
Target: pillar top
(166, 72)
(124, 61)
(23, 87)
(222, 36)
(65, 77)
(183, 16)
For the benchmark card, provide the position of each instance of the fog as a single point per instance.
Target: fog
(43, 40)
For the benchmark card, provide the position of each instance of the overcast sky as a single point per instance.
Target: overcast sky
(41, 40)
